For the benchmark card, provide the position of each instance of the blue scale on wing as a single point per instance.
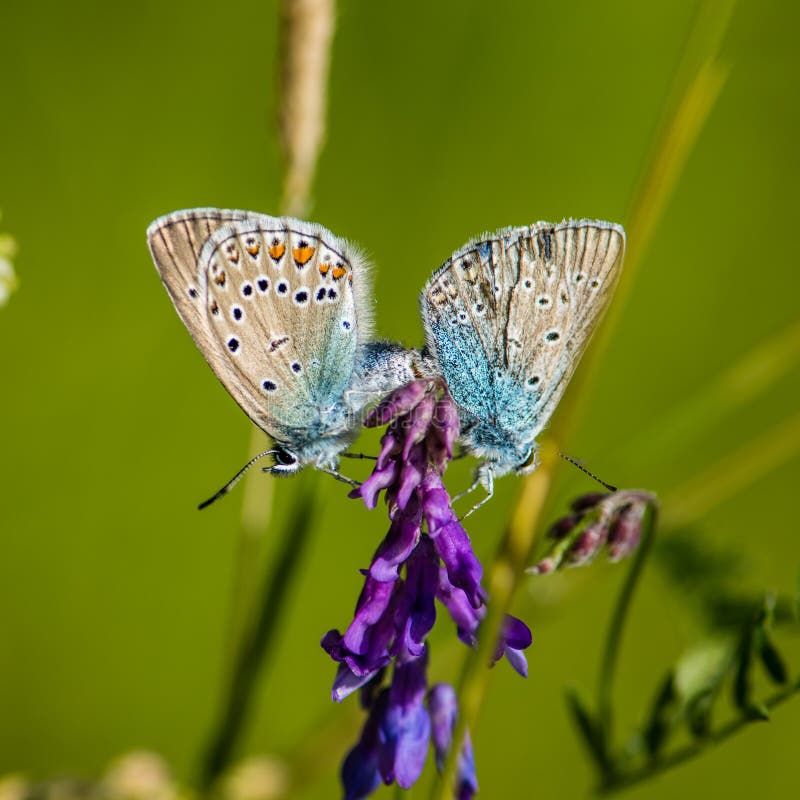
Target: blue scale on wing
(457, 298)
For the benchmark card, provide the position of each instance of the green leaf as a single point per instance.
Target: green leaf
(590, 730)
(744, 659)
(772, 660)
(659, 725)
(757, 711)
(698, 713)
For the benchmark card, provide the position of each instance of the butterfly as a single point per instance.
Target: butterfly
(507, 319)
(279, 309)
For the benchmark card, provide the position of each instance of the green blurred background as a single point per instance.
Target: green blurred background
(446, 119)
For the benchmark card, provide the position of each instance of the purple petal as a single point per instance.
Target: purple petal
(516, 633)
(378, 480)
(446, 422)
(517, 660)
(399, 543)
(564, 526)
(585, 547)
(436, 502)
(404, 729)
(415, 427)
(411, 475)
(360, 773)
(443, 706)
(443, 432)
(451, 540)
(461, 610)
(464, 570)
(391, 445)
(401, 401)
(364, 666)
(365, 645)
(515, 638)
(372, 605)
(419, 612)
(347, 682)
(626, 532)
(467, 786)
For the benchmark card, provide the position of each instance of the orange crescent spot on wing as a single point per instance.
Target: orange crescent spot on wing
(302, 255)
(253, 250)
(338, 272)
(276, 251)
(323, 268)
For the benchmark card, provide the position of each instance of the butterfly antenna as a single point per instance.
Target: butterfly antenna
(358, 455)
(583, 469)
(234, 480)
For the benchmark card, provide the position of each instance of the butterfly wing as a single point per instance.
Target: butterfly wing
(276, 314)
(509, 316)
(175, 242)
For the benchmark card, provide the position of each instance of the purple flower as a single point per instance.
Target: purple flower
(394, 741)
(515, 639)
(426, 556)
(452, 542)
(360, 773)
(405, 727)
(443, 706)
(597, 520)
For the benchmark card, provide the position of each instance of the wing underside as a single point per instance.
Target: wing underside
(509, 316)
(271, 303)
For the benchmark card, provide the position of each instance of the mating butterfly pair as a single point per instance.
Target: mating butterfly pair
(279, 308)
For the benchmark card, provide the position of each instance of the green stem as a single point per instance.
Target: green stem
(634, 777)
(257, 643)
(753, 375)
(732, 473)
(502, 582)
(617, 624)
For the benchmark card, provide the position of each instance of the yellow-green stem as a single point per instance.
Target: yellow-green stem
(502, 581)
(753, 375)
(720, 482)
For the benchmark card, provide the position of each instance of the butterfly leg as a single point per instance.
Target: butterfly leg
(472, 487)
(358, 455)
(339, 477)
(483, 477)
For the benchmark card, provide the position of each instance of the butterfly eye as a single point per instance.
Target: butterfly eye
(528, 463)
(283, 458)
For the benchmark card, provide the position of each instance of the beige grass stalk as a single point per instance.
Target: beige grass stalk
(753, 375)
(306, 34)
(723, 480)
